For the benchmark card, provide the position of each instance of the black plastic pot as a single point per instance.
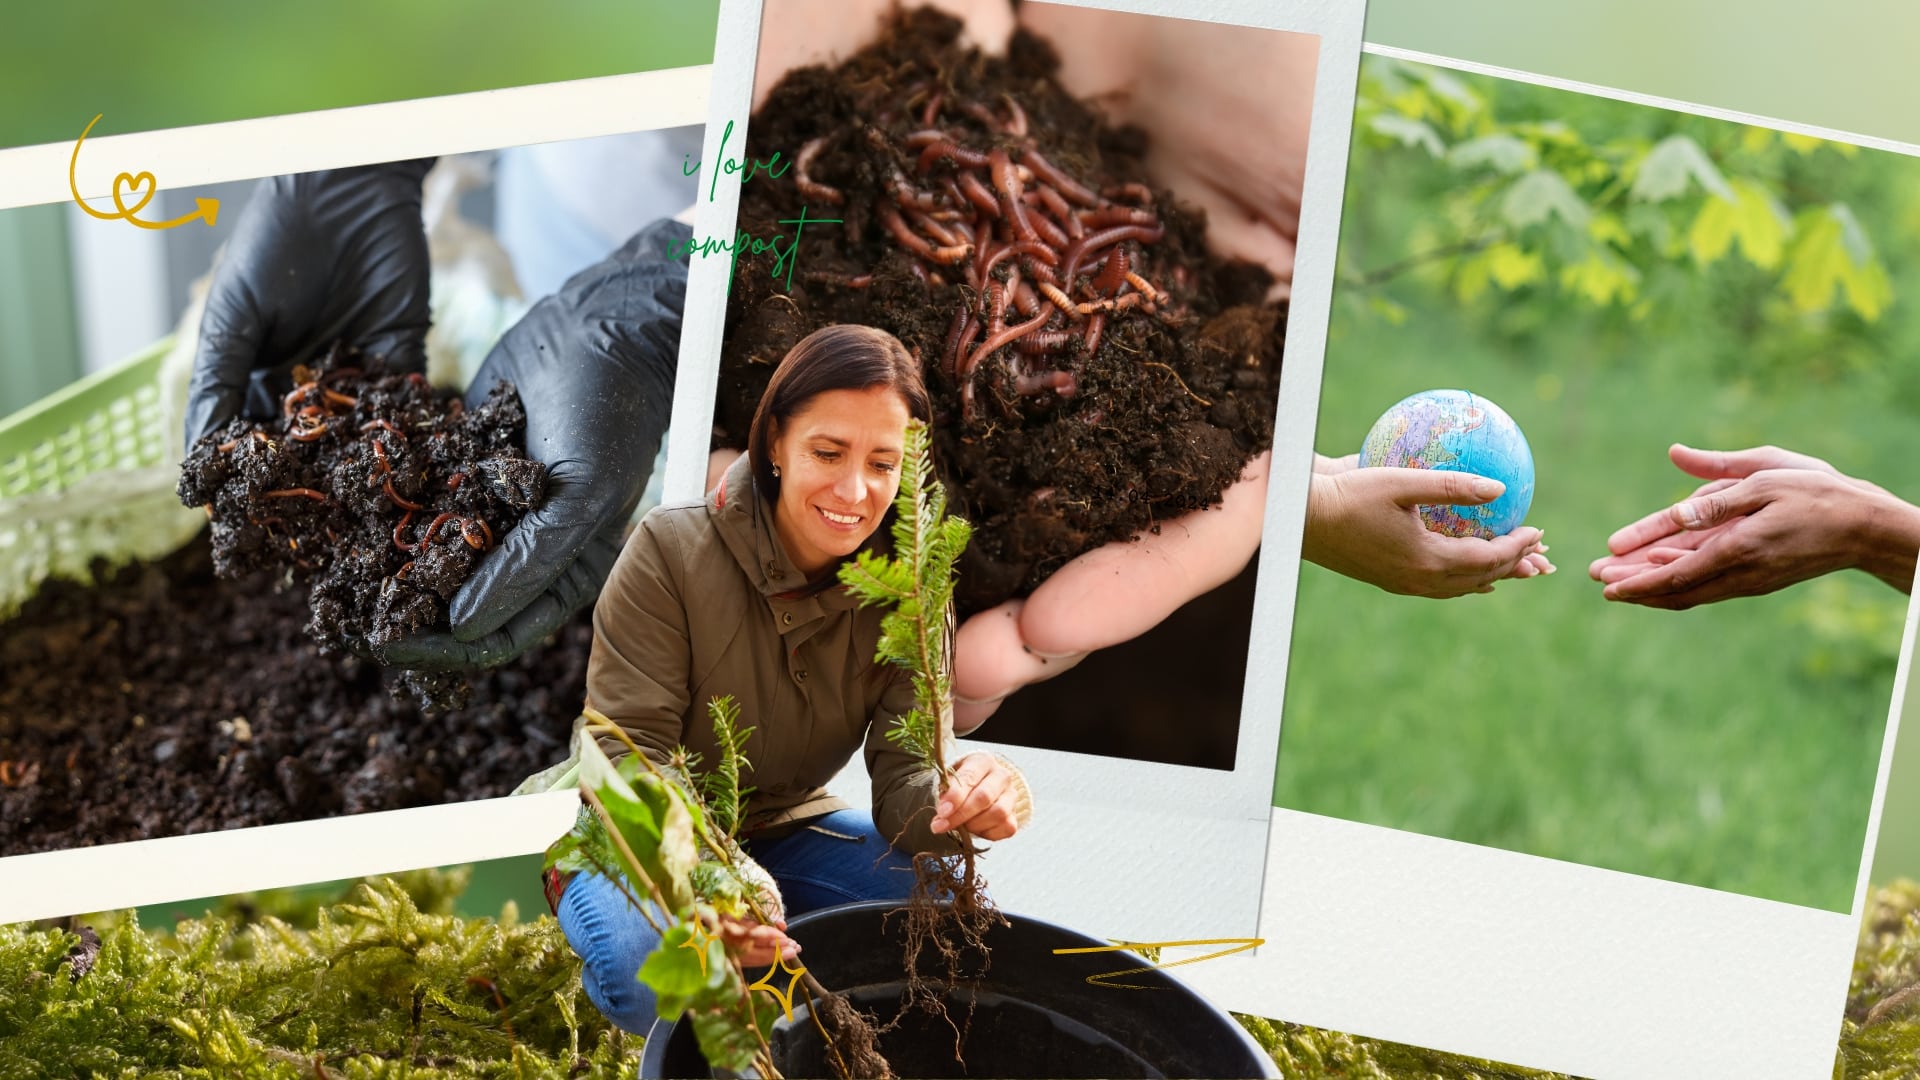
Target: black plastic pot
(1034, 1014)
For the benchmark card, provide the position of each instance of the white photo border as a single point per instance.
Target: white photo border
(1194, 838)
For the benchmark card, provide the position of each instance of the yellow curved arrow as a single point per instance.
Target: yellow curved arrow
(208, 209)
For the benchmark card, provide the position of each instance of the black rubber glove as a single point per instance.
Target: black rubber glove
(594, 364)
(317, 257)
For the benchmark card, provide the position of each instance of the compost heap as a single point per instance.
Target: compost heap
(163, 700)
(380, 492)
(1093, 370)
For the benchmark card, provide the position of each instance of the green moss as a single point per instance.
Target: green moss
(379, 986)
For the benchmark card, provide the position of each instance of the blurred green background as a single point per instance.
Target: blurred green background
(147, 67)
(488, 887)
(1618, 278)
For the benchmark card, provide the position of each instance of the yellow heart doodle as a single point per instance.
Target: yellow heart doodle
(142, 184)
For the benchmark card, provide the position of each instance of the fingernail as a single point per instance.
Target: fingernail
(1488, 489)
(1688, 513)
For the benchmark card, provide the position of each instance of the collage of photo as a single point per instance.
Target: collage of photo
(1199, 531)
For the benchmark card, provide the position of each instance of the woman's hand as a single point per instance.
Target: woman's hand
(1364, 523)
(757, 945)
(981, 799)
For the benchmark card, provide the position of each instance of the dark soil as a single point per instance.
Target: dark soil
(1052, 451)
(165, 701)
(375, 490)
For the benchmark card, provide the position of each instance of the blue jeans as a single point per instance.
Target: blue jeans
(814, 869)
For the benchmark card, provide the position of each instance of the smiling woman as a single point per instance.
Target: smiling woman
(738, 596)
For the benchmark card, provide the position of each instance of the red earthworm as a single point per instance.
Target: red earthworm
(1060, 382)
(385, 426)
(1137, 192)
(996, 308)
(940, 233)
(333, 398)
(946, 151)
(959, 342)
(933, 108)
(293, 395)
(1044, 341)
(1159, 295)
(1114, 274)
(983, 114)
(1041, 271)
(976, 192)
(1024, 300)
(1117, 215)
(332, 537)
(435, 527)
(401, 574)
(1094, 242)
(1049, 232)
(453, 482)
(1094, 326)
(309, 434)
(965, 229)
(1008, 185)
(1059, 299)
(828, 277)
(1112, 303)
(1010, 334)
(380, 453)
(267, 523)
(1051, 173)
(300, 493)
(395, 496)
(1039, 251)
(1017, 117)
(916, 243)
(925, 137)
(1058, 207)
(400, 528)
(908, 196)
(478, 541)
(955, 327)
(208, 507)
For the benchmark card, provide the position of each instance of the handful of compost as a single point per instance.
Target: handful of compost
(380, 492)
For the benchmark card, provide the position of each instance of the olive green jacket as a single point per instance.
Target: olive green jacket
(704, 602)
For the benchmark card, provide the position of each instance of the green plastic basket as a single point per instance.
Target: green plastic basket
(87, 474)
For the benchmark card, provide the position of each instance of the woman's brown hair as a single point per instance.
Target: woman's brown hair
(840, 357)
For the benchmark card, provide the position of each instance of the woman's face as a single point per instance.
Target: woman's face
(839, 461)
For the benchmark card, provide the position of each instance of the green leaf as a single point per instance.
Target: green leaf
(1666, 170)
(1830, 251)
(685, 970)
(1539, 195)
(1409, 132)
(726, 1040)
(1602, 277)
(1752, 218)
(1511, 267)
(1500, 151)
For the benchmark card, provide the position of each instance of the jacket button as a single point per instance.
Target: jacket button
(786, 618)
(801, 674)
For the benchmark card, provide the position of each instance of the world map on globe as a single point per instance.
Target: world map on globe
(1458, 431)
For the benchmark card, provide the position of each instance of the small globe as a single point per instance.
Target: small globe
(1461, 432)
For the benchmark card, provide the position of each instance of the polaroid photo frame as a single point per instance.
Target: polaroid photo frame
(1129, 849)
(134, 873)
(1547, 963)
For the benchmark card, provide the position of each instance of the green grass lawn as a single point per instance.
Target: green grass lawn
(1732, 746)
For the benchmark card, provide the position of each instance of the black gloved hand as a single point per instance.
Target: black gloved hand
(317, 257)
(594, 364)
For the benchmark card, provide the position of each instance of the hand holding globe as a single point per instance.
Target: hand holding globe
(1432, 507)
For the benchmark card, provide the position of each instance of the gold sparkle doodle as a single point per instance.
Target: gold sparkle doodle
(1102, 979)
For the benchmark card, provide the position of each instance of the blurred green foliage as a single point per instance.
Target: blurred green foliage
(147, 68)
(1734, 746)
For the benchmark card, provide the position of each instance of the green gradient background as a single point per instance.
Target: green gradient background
(1847, 64)
(158, 66)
